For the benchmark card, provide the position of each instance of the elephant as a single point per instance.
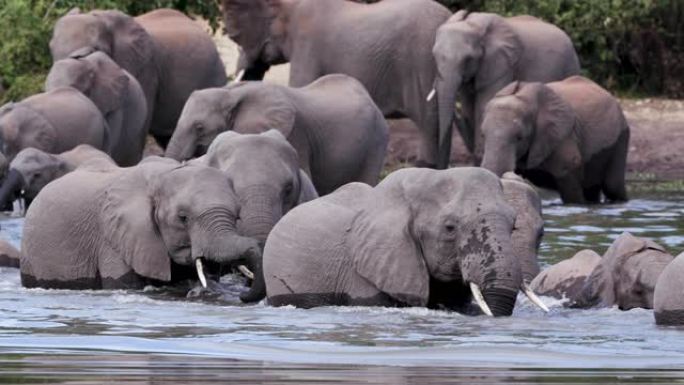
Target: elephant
(167, 52)
(114, 91)
(421, 237)
(54, 122)
(571, 136)
(385, 45)
(124, 228)
(668, 307)
(478, 54)
(9, 255)
(566, 278)
(625, 276)
(338, 132)
(32, 169)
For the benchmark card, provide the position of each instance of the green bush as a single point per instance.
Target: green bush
(27, 28)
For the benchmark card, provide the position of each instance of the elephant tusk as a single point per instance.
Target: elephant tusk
(431, 95)
(533, 297)
(246, 272)
(477, 294)
(200, 272)
(239, 76)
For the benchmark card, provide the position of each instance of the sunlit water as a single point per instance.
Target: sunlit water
(138, 336)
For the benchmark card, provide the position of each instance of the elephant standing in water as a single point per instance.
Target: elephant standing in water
(385, 45)
(668, 302)
(33, 169)
(570, 136)
(338, 132)
(167, 52)
(9, 255)
(123, 228)
(114, 91)
(419, 238)
(478, 54)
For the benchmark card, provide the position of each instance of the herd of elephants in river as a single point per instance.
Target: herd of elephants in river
(283, 183)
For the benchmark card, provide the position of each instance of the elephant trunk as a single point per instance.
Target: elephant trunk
(259, 212)
(446, 102)
(11, 188)
(499, 156)
(179, 147)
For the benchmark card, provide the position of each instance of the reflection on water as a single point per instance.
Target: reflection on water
(69, 337)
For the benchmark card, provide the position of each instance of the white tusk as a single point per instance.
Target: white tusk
(200, 272)
(431, 95)
(477, 294)
(239, 76)
(533, 297)
(246, 272)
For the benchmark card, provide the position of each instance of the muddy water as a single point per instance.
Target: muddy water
(156, 337)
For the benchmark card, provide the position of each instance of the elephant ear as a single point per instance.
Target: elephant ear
(130, 229)
(555, 121)
(42, 132)
(279, 113)
(307, 191)
(386, 254)
(133, 47)
(502, 48)
(110, 87)
(247, 24)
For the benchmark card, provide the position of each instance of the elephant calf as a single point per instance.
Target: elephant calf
(668, 301)
(123, 228)
(339, 133)
(570, 136)
(9, 255)
(33, 169)
(420, 238)
(625, 276)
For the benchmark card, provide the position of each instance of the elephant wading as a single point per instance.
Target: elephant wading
(420, 238)
(33, 169)
(123, 228)
(477, 54)
(338, 132)
(385, 45)
(167, 52)
(668, 302)
(114, 91)
(54, 122)
(570, 136)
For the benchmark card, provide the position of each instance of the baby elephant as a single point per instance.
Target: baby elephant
(123, 228)
(625, 276)
(569, 135)
(419, 238)
(668, 301)
(32, 169)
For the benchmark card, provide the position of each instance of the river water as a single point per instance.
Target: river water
(156, 337)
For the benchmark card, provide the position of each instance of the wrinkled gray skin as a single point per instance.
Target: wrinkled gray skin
(570, 136)
(167, 52)
(416, 239)
(9, 255)
(625, 276)
(115, 92)
(33, 169)
(529, 224)
(123, 227)
(668, 302)
(385, 45)
(478, 54)
(53, 122)
(338, 132)
(566, 278)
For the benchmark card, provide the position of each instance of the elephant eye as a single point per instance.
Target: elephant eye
(450, 228)
(198, 126)
(183, 218)
(288, 189)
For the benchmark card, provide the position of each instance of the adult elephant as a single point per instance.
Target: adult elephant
(123, 228)
(571, 136)
(114, 91)
(167, 52)
(385, 45)
(668, 303)
(54, 122)
(412, 240)
(477, 54)
(338, 132)
(33, 169)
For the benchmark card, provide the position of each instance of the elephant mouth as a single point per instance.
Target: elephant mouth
(500, 302)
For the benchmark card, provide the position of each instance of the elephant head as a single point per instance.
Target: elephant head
(165, 212)
(29, 172)
(472, 51)
(93, 73)
(249, 106)
(449, 226)
(626, 275)
(21, 126)
(259, 27)
(566, 278)
(523, 125)
(264, 172)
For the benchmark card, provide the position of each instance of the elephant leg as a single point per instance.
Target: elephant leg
(614, 181)
(592, 194)
(570, 188)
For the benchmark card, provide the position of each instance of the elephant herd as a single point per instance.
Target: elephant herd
(283, 184)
